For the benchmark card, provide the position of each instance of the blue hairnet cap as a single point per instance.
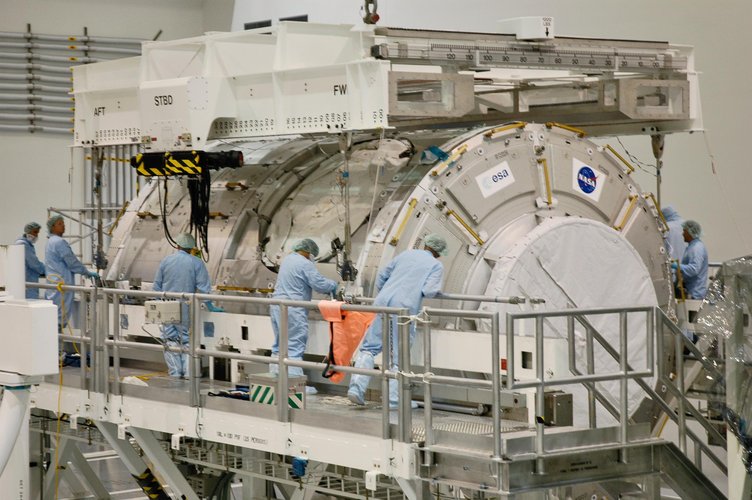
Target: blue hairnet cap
(437, 243)
(693, 228)
(185, 240)
(307, 245)
(669, 212)
(31, 226)
(52, 220)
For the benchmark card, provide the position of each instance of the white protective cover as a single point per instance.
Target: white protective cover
(580, 263)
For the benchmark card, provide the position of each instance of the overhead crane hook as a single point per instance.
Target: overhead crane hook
(371, 16)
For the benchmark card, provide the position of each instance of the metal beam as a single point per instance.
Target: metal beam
(133, 462)
(414, 489)
(253, 487)
(65, 472)
(164, 465)
(314, 474)
(682, 476)
(82, 465)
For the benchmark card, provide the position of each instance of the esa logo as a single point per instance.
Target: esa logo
(587, 180)
(499, 176)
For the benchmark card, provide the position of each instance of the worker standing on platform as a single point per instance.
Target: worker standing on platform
(34, 267)
(181, 272)
(408, 278)
(60, 266)
(694, 263)
(297, 279)
(675, 244)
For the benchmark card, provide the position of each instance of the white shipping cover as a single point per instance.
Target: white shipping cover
(580, 263)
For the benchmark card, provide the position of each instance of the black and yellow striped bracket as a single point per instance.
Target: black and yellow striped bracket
(151, 486)
(168, 164)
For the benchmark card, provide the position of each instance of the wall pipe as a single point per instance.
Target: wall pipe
(80, 48)
(64, 38)
(36, 128)
(35, 117)
(35, 107)
(34, 97)
(42, 57)
(36, 67)
(31, 86)
(34, 77)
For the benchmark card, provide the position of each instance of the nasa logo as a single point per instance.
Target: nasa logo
(586, 180)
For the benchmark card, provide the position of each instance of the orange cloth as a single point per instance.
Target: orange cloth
(346, 330)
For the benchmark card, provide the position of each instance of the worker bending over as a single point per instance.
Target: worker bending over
(694, 263)
(34, 267)
(181, 272)
(297, 279)
(60, 266)
(408, 278)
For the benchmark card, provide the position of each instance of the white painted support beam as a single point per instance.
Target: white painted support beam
(133, 462)
(90, 477)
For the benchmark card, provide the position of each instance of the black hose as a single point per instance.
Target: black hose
(199, 188)
(163, 210)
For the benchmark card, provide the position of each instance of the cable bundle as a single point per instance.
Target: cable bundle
(199, 189)
(163, 210)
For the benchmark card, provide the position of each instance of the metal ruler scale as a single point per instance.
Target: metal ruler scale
(566, 55)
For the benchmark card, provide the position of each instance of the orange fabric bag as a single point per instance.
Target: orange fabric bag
(346, 330)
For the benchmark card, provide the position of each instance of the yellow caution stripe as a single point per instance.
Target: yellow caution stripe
(167, 164)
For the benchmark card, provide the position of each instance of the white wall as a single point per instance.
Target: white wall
(218, 15)
(718, 31)
(36, 167)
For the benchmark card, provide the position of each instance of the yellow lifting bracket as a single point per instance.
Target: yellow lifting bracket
(410, 208)
(452, 158)
(680, 281)
(464, 224)
(629, 166)
(579, 132)
(547, 177)
(628, 213)
(498, 130)
(147, 215)
(231, 186)
(657, 206)
(117, 219)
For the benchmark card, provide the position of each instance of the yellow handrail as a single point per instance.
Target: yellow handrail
(411, 207)
(466, 226)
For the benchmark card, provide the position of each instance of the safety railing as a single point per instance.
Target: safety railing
(95, 337)
(659, 327)
(677, 386)
(671, 379)
(540, 383)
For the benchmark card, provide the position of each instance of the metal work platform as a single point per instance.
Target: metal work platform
(423, 452)
(461, 455)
